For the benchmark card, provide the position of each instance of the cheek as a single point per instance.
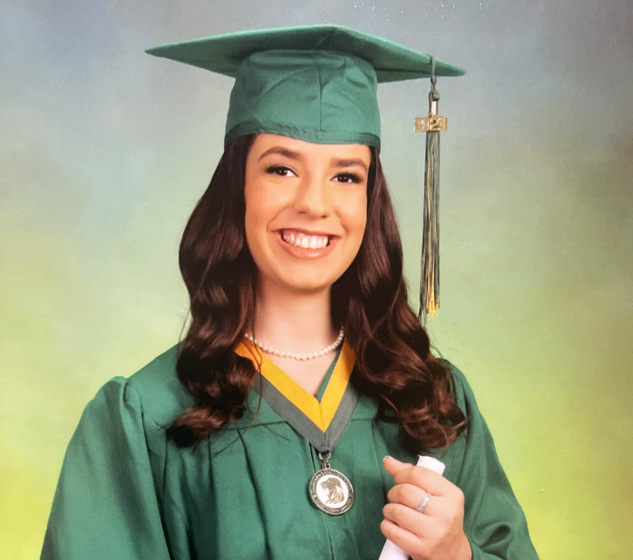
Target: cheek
(249, 227)
(357, 217)
(253, 224)
(256, 208)
(256, 233)
(262, 210)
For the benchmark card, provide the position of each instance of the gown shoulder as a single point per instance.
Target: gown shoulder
(160, 394)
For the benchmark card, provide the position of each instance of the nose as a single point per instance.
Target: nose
(313, 197)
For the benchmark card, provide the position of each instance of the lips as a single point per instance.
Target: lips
(305, 240)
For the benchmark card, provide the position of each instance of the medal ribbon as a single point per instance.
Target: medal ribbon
(323, 441)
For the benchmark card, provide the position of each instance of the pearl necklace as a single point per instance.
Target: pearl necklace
(294, 355)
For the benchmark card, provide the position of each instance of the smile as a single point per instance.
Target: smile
(305, 240)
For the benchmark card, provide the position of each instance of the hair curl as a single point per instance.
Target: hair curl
(394, 363)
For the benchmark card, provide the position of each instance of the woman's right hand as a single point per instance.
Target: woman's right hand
(437, 532)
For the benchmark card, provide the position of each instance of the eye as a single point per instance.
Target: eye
(348, 178)
(279, 170)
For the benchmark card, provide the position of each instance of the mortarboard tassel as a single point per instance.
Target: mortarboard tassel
(430, 270)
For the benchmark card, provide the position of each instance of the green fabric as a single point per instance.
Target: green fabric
(314, 83)
(126, 493)
(318, 96)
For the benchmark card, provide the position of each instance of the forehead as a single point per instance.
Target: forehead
(307, 150)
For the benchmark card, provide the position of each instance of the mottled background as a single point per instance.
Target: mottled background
(105, 150)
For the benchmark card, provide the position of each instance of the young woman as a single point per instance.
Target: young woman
(286, 423)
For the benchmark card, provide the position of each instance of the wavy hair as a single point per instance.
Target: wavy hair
(394, 363)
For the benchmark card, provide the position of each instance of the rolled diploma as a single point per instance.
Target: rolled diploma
(390, 551)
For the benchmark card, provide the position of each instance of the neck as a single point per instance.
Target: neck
(296, 322)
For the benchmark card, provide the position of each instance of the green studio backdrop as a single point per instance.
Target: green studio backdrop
(105, 150)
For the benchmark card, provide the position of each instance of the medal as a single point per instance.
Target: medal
(330, 490)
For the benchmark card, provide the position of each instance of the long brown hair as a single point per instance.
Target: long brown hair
(394, 363)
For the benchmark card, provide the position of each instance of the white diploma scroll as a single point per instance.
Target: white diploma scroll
(390, 551)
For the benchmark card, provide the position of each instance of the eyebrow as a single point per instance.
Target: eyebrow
(281, 151)
(350, 163)
(290, 154)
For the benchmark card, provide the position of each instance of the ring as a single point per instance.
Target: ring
(425, 502)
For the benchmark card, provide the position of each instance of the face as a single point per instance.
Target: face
(306, 210)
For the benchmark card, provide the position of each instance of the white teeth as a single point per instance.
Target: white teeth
(305, 241)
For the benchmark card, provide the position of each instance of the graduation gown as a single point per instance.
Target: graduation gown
(126, 492)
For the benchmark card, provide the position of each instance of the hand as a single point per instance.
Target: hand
(435, 534)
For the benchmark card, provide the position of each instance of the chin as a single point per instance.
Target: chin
(307, 283)
(308, 286)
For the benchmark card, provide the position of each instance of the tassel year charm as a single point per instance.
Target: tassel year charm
(430, 272)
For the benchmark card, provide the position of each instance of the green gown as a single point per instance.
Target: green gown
(126, 492)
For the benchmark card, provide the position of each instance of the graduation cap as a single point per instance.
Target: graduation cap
(318, 84)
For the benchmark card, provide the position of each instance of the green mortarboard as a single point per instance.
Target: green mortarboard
(314, 83)
(318, 84)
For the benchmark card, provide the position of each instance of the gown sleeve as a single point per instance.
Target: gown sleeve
(493, 519)
(105, 505)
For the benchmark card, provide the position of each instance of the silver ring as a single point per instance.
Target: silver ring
(425, 502)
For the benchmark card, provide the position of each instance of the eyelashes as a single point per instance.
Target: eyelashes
(350, 178)
(278, 170)
(344, 178)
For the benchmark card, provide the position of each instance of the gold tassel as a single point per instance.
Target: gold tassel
(430, 269)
